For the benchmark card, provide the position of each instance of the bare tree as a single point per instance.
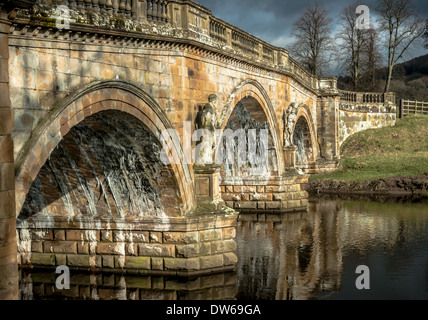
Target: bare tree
(313, 43)
(371, 59)
(351, 45)
(401, 26)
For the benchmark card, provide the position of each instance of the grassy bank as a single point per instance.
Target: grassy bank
(401, 150)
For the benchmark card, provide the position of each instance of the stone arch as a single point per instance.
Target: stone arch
(99, 96)
(251, 88)
(304, 117)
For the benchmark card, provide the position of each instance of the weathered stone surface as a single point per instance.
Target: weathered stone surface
(180, 237)
(83, 260)
(230, 258)
(59, 235)
(193, 250)
(44, 259)
(142, 263)
(213, 261)
(156, 250)
(210, 235)
(223, 246)
(81, 235)
(157, 264)
(111, 248)
(108, 261)
(60, 247)
(191, 264)
(131, 236)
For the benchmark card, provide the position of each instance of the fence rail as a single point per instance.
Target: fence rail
(408, 107)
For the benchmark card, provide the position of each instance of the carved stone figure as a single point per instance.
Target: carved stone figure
(206, 119)
(209, 114)
(289, 119)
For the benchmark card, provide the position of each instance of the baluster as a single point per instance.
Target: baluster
(165, 11)
(160, 11)
(109, 6)
(150, 9)
(79, 5)
(128, 8)
(122, 7)
(95, 6)
(115, 7)
(134, 9)
(87, 6)
(102, 6)
(155, 9)
(161, 7)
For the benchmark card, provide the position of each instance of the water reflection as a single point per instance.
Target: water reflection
(41, 286)
(314, 255)
(306, 255)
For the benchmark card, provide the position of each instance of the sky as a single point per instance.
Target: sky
(272, 20)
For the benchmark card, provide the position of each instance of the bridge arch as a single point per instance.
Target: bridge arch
(251, 89)
(109, 95)
(304, 136)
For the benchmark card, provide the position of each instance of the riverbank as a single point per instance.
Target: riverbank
(416, 185)
(388, 161)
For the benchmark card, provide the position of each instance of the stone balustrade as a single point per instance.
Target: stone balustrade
(374, 98)
(194, 20)
(183, 19)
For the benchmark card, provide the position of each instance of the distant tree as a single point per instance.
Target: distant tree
(358, 50)
(426, 34)
(313, 44)
(371, 60)
(401, 27)
(351, 44)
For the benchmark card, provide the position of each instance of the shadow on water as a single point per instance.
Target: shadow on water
(300, 256)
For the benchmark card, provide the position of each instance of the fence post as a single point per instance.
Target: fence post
(401, 108)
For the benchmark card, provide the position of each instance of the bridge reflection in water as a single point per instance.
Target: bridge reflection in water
(307, 255)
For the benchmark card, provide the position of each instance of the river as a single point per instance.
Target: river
(293, 256)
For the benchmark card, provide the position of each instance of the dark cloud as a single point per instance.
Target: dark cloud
(272, 20)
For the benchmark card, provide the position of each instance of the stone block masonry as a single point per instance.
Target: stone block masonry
(281, 194)
(8, 263)
(176, 246)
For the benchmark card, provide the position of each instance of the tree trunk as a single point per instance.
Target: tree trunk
(388, 79)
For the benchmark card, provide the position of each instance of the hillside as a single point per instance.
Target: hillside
(392, 158)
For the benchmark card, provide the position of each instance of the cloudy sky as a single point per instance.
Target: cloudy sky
(272, 20)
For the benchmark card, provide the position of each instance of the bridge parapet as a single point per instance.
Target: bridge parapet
(367, 97)
(364, 110)
(367, 101)
(178, 20)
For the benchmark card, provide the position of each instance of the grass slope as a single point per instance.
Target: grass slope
(401, 150)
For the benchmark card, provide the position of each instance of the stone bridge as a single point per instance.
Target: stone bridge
(90, 96)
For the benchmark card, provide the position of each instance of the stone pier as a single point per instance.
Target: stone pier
(8, 263)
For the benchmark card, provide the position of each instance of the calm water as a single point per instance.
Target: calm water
(308, 255)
